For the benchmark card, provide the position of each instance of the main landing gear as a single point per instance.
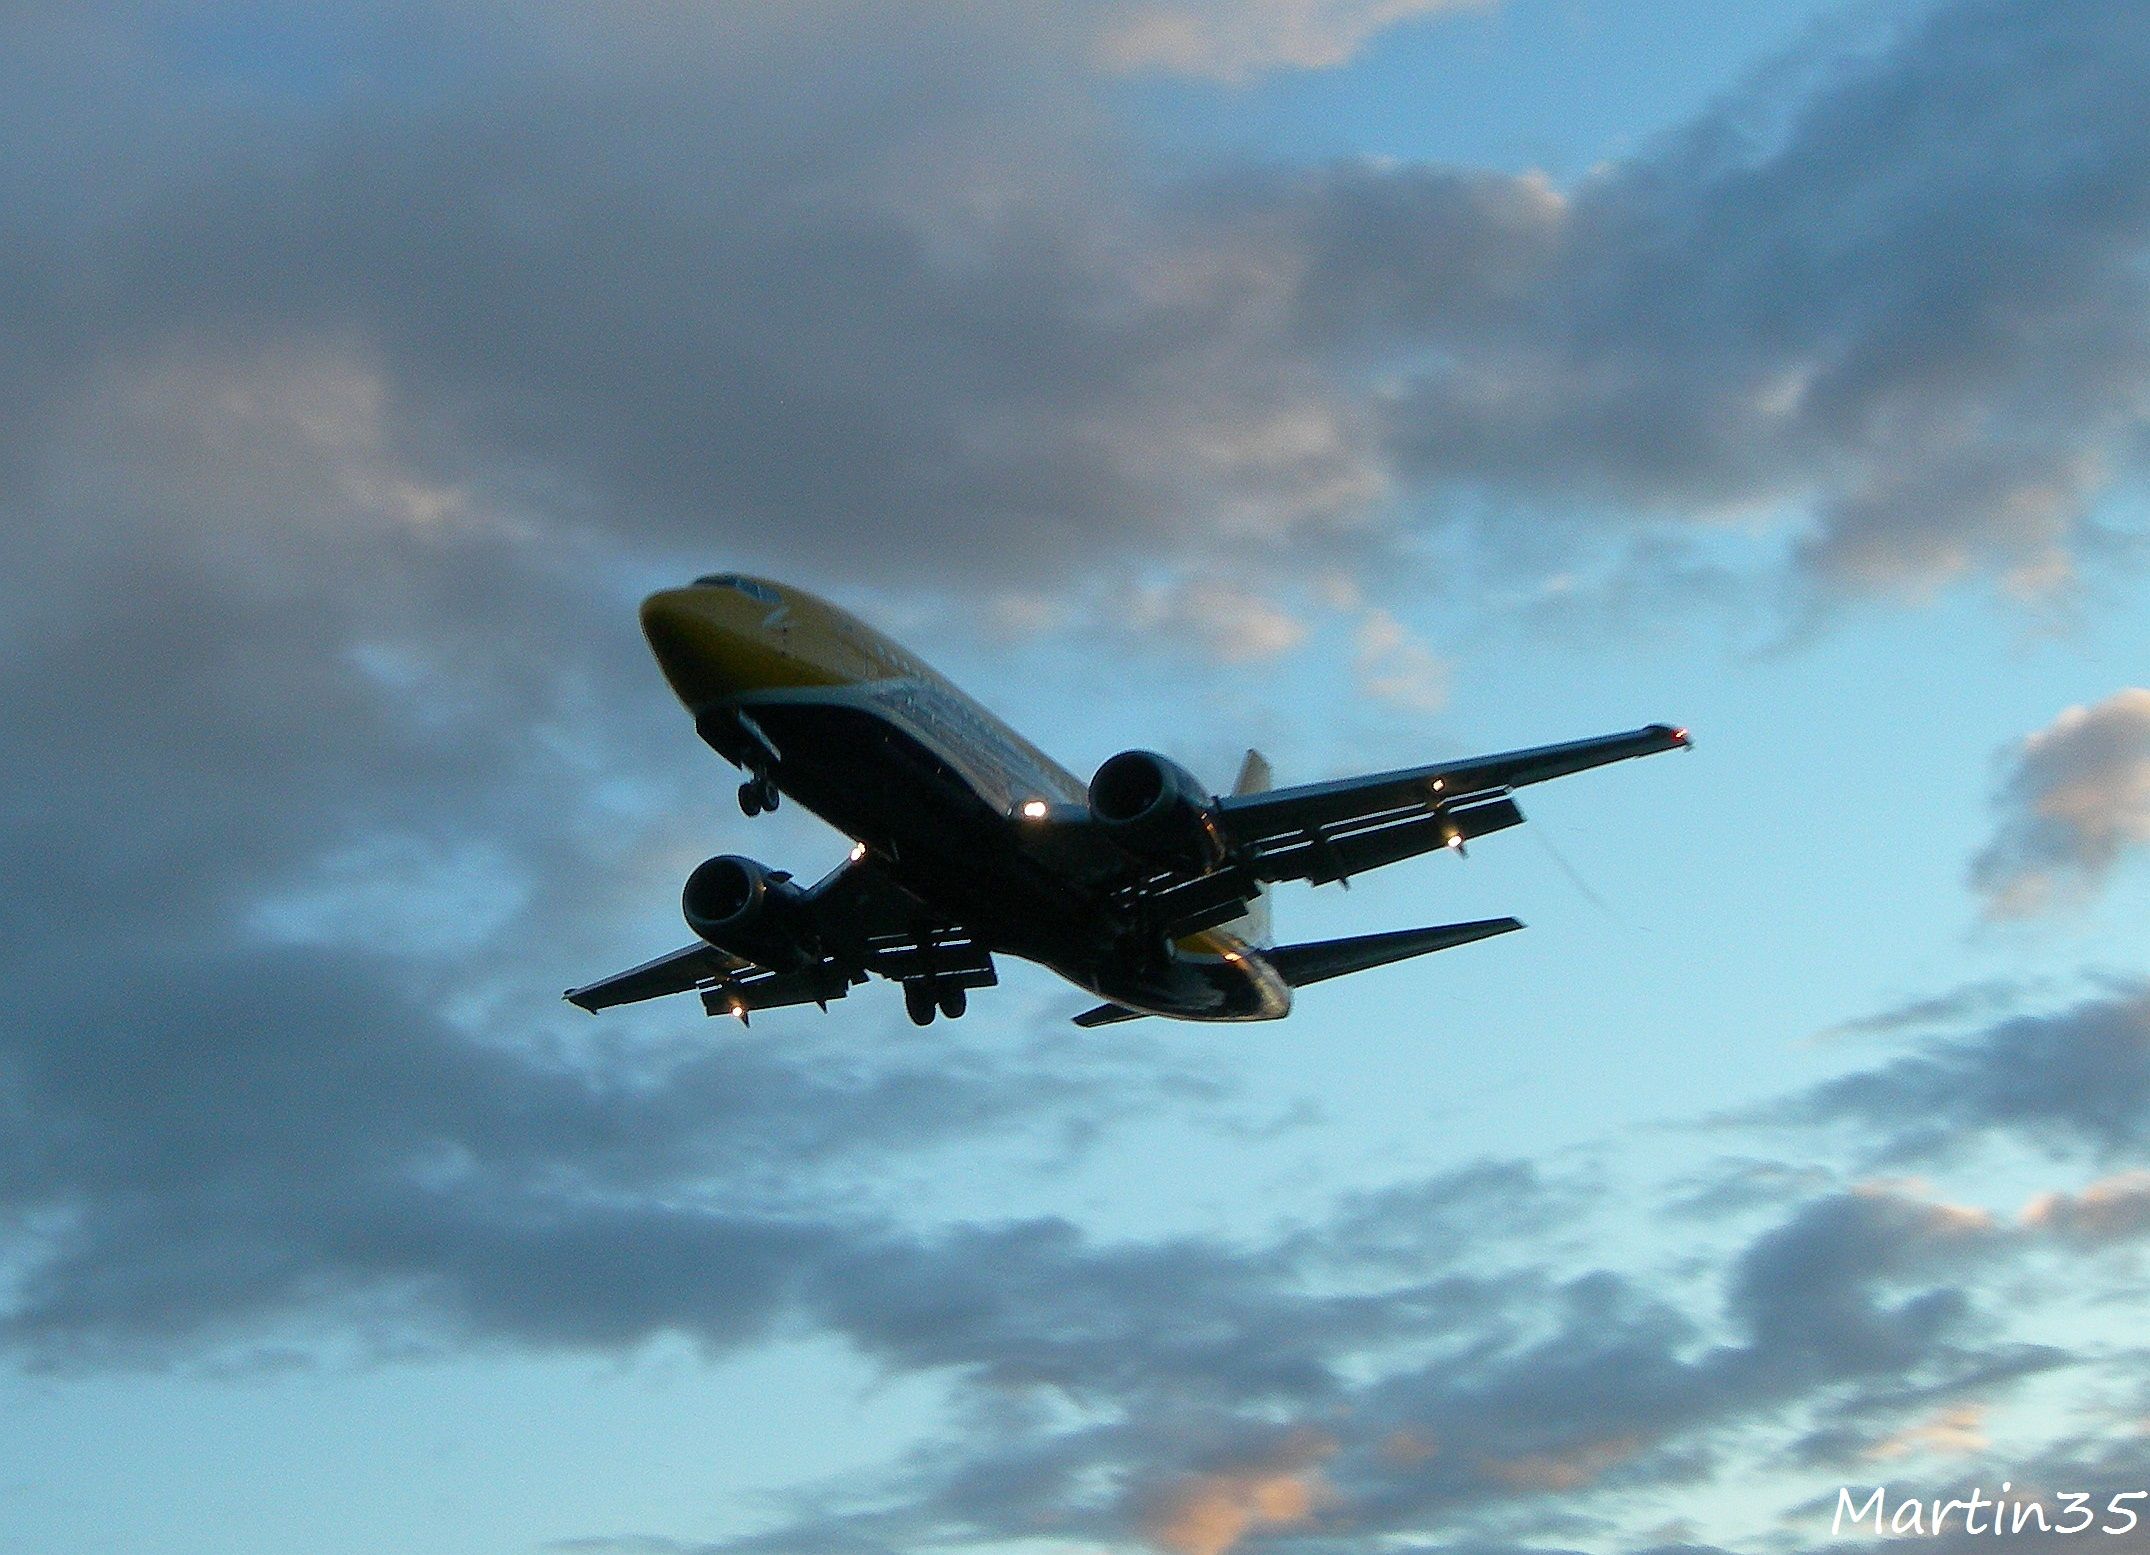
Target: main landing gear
(758, 793)
(923, 997)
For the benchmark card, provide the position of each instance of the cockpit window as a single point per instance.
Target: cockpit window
(747, 586)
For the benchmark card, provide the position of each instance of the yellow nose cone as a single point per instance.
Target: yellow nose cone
(668, 621)
(715, 643)
(704, 646)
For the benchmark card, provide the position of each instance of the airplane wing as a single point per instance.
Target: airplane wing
(691, 966)
(865, 923)
(1331, 831)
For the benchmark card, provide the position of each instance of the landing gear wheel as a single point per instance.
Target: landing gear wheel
(953, 1001)
(757, 794)
(918, 1002)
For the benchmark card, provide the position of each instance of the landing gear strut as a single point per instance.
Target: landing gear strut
(758, 793)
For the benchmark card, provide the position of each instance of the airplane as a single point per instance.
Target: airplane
(1141, 887)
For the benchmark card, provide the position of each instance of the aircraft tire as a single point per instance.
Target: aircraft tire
(918, 1002)
(953, 1002)
(750, 799)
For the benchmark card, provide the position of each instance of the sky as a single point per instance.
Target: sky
(1366, 381)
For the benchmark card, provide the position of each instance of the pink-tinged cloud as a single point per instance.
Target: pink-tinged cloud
(1564, 1468)
(2075, 801)
(1209, 1514)
(2112, 1209)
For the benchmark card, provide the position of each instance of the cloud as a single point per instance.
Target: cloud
(2113, 1209)
(1227, 621)
(1899, 299)
(1237, 40)
(625, 273)
(1211, 1513)
(1959, 1428)
(1396, 667)
(2073, 1081)
(1525, 1400)
(2075, 800)
(1892, 305)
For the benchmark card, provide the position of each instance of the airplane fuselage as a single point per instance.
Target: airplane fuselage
(940, 792)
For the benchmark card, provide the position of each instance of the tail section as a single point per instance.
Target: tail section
(1253, 925)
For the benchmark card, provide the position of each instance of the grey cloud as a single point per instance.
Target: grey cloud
(1911, 300)
(639, 282)
(2077, 1080)
(1954, 1008)
(1857, 1305)
(616, 270)
(2074, 801)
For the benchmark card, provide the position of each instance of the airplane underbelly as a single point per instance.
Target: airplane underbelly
(1242, 986)
(873, 778)
(863, 767)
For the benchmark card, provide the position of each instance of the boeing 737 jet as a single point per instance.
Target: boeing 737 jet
(1141, 886)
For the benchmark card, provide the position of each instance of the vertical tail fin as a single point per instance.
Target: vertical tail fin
(1253, 925)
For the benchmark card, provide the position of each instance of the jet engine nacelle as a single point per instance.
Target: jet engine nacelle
(1156, 809)
(742, 906)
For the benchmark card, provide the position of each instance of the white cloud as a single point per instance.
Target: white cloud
(1395, 665)
(1227, 620)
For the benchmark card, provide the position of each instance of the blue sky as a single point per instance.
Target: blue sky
(1365, 382)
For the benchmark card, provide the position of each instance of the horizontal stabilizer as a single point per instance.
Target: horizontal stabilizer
(1319, 960)
(1323, 959)
(1107, 1015)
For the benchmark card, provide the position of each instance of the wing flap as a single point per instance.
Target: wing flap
(1321, 858)
(740, 997)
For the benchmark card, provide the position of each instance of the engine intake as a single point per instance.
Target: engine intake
(740, 905)
(1156, 809)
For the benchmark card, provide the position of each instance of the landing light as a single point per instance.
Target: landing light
(858, 851)
(1034, 809)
